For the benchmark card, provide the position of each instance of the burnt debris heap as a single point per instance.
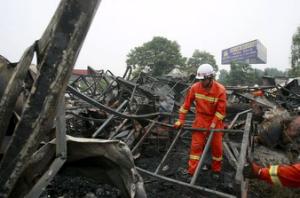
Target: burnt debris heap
(119, 130)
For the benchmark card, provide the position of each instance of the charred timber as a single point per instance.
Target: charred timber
(57, 52)
(13, 90)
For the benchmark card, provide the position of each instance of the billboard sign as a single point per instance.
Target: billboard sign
(252, 52)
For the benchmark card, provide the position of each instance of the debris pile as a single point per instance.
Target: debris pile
(140, 112)
(113, 136)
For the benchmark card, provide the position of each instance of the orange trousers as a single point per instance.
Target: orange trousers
(197, 146)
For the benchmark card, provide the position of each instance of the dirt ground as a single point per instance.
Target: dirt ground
(176, 164)
(152, 151)
(78, 187)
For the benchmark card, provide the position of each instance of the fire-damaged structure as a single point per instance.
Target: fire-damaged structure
(30, 160)
(118, 131)
(145, 109)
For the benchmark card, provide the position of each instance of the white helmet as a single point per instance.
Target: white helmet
(205, 71)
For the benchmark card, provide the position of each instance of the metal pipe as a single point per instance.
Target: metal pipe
(142, 116)
(46, 178)
(87, 89)
(128, 68)
(61, 142)
(198, 129)
(95, 103)
(75, 81)
(131, 85)
(169, 150)
(235, 88)
(173, 87)
(133, 92)
(108, 71)
(87, 118)
(129, 135)
(206, 148)
(108, 120)
(290, 91)
(102, 94)
(200, 188)
(183, 91)
(118, 128)
(237, 116)
(229, 149)
(143, 137)
(243, 152)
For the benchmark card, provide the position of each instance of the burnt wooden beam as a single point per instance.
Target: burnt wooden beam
(38, 164)
(57, 52)
(13, 90)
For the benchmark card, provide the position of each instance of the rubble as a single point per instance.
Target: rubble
(140, 112)
(114, 136)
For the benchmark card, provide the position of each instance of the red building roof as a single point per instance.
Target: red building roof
(79, 72)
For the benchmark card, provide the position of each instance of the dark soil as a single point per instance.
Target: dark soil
(151, 154)
(78, 187)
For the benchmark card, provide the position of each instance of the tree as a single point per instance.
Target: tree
(295, 59)
(223, 77)
(238, 73)
(243, 74)
(159, 55)
(198, 58)
(255, 76)
(273, 72)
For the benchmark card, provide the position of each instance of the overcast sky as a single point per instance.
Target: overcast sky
(121, 25)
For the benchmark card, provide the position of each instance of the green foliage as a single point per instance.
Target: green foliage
(159, 55)
(295, 59)
(223, 77)
(273, 72)
(198, 58)
(241, 74)
(244, 74)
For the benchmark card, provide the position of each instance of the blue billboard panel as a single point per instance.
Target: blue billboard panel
(252, 52)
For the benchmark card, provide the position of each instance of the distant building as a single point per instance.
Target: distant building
(76, 73)
(79, 72)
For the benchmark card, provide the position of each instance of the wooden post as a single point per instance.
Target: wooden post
(57, 52)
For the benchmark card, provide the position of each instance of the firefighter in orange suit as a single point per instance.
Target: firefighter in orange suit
(280, 175)
(210, 99)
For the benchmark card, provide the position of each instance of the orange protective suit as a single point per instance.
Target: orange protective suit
(210, 108)
(282, 175)
(258, 93)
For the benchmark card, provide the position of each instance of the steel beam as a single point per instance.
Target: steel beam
(206, 148)
(239, 178)
(107, 121)
(200, 188)
(169, 150)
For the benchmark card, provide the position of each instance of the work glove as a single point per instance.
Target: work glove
(252, 170)
(212, 126)
(178, 124)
